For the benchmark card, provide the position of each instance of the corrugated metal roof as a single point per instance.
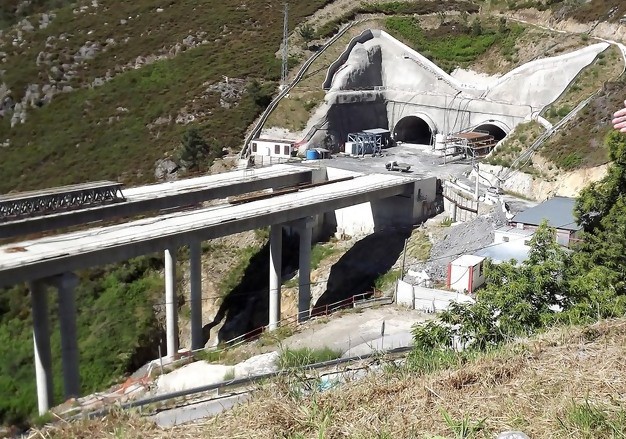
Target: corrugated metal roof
(558, 211)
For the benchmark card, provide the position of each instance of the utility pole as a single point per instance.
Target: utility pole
(285, 65)
(477, 178)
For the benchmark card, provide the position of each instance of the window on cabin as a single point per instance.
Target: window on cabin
(277, 149)
(286, 150)
(505, 239)
(254, 147)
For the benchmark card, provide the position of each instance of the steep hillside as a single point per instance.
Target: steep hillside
(564, 384)
(105, 88)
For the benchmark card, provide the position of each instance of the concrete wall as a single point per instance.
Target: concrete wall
(563, 237)
(462, 201)
(427, 299)
(261, 147)
(400, 211)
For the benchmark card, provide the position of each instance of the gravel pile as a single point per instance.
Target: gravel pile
(459, 239)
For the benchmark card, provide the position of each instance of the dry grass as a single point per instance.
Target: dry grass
(567, 383)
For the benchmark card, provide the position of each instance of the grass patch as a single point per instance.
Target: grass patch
(519, 195)
(607, 65)
(319, 252)
(394, 8)
(419, 245)
(446, 222)
(515, 144)
(581, 143)
(295, 110)
(590, 420)
(230, 375)
(386, 280)
(454, 44)
(236, 273)
(539, 386)
(272, 338)
(305, 356)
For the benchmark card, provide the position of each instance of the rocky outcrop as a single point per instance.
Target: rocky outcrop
(568, 184)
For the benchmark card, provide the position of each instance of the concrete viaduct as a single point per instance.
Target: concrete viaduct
(50, 261)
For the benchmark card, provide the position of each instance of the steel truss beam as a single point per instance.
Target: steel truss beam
(18, 206)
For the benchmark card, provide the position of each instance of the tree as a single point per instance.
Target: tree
(502, 25)
(260, 94)
(307, 32)
(477, 27)
(517, 300)
(595, 201)
(194, 149)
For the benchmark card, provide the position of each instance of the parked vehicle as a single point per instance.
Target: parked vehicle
(395, 166)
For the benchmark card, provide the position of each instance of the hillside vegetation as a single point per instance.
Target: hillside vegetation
(141, 72)
(563, 384)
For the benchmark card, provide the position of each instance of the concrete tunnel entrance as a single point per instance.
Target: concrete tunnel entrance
(494, 130)
(413, 129)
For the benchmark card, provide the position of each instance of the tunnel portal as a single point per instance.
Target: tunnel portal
(413, 129)
(494, 130)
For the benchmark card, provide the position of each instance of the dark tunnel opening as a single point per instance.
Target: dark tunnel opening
(494, 130)
(413, 129)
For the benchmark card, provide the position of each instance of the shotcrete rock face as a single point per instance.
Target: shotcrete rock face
(413, 129)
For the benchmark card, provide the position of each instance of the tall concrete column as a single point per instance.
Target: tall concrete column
(171, 303)
(66, 284)
(304, 271)
(41, 341)
(195, 275)
(276, 244)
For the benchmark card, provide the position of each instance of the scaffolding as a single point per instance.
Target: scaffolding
(23, 205)
(474, 144)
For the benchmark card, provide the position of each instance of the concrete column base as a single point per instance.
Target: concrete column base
(276, 244)
(171, 303)
(304, 272)
(41, 342)
(195, 302)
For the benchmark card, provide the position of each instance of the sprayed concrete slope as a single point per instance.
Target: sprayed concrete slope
(380, 82)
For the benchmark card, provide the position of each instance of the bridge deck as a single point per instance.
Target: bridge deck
(78, 250)
(164, 196)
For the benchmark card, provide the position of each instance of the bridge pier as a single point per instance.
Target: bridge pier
(276, 243)
(66, 284)
(41, 342)
(171, 303)
(304, 270)
(195, 275)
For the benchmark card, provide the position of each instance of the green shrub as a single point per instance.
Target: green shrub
(305, 356)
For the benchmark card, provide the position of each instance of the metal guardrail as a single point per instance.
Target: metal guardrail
(321, 311)
(239, 382)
